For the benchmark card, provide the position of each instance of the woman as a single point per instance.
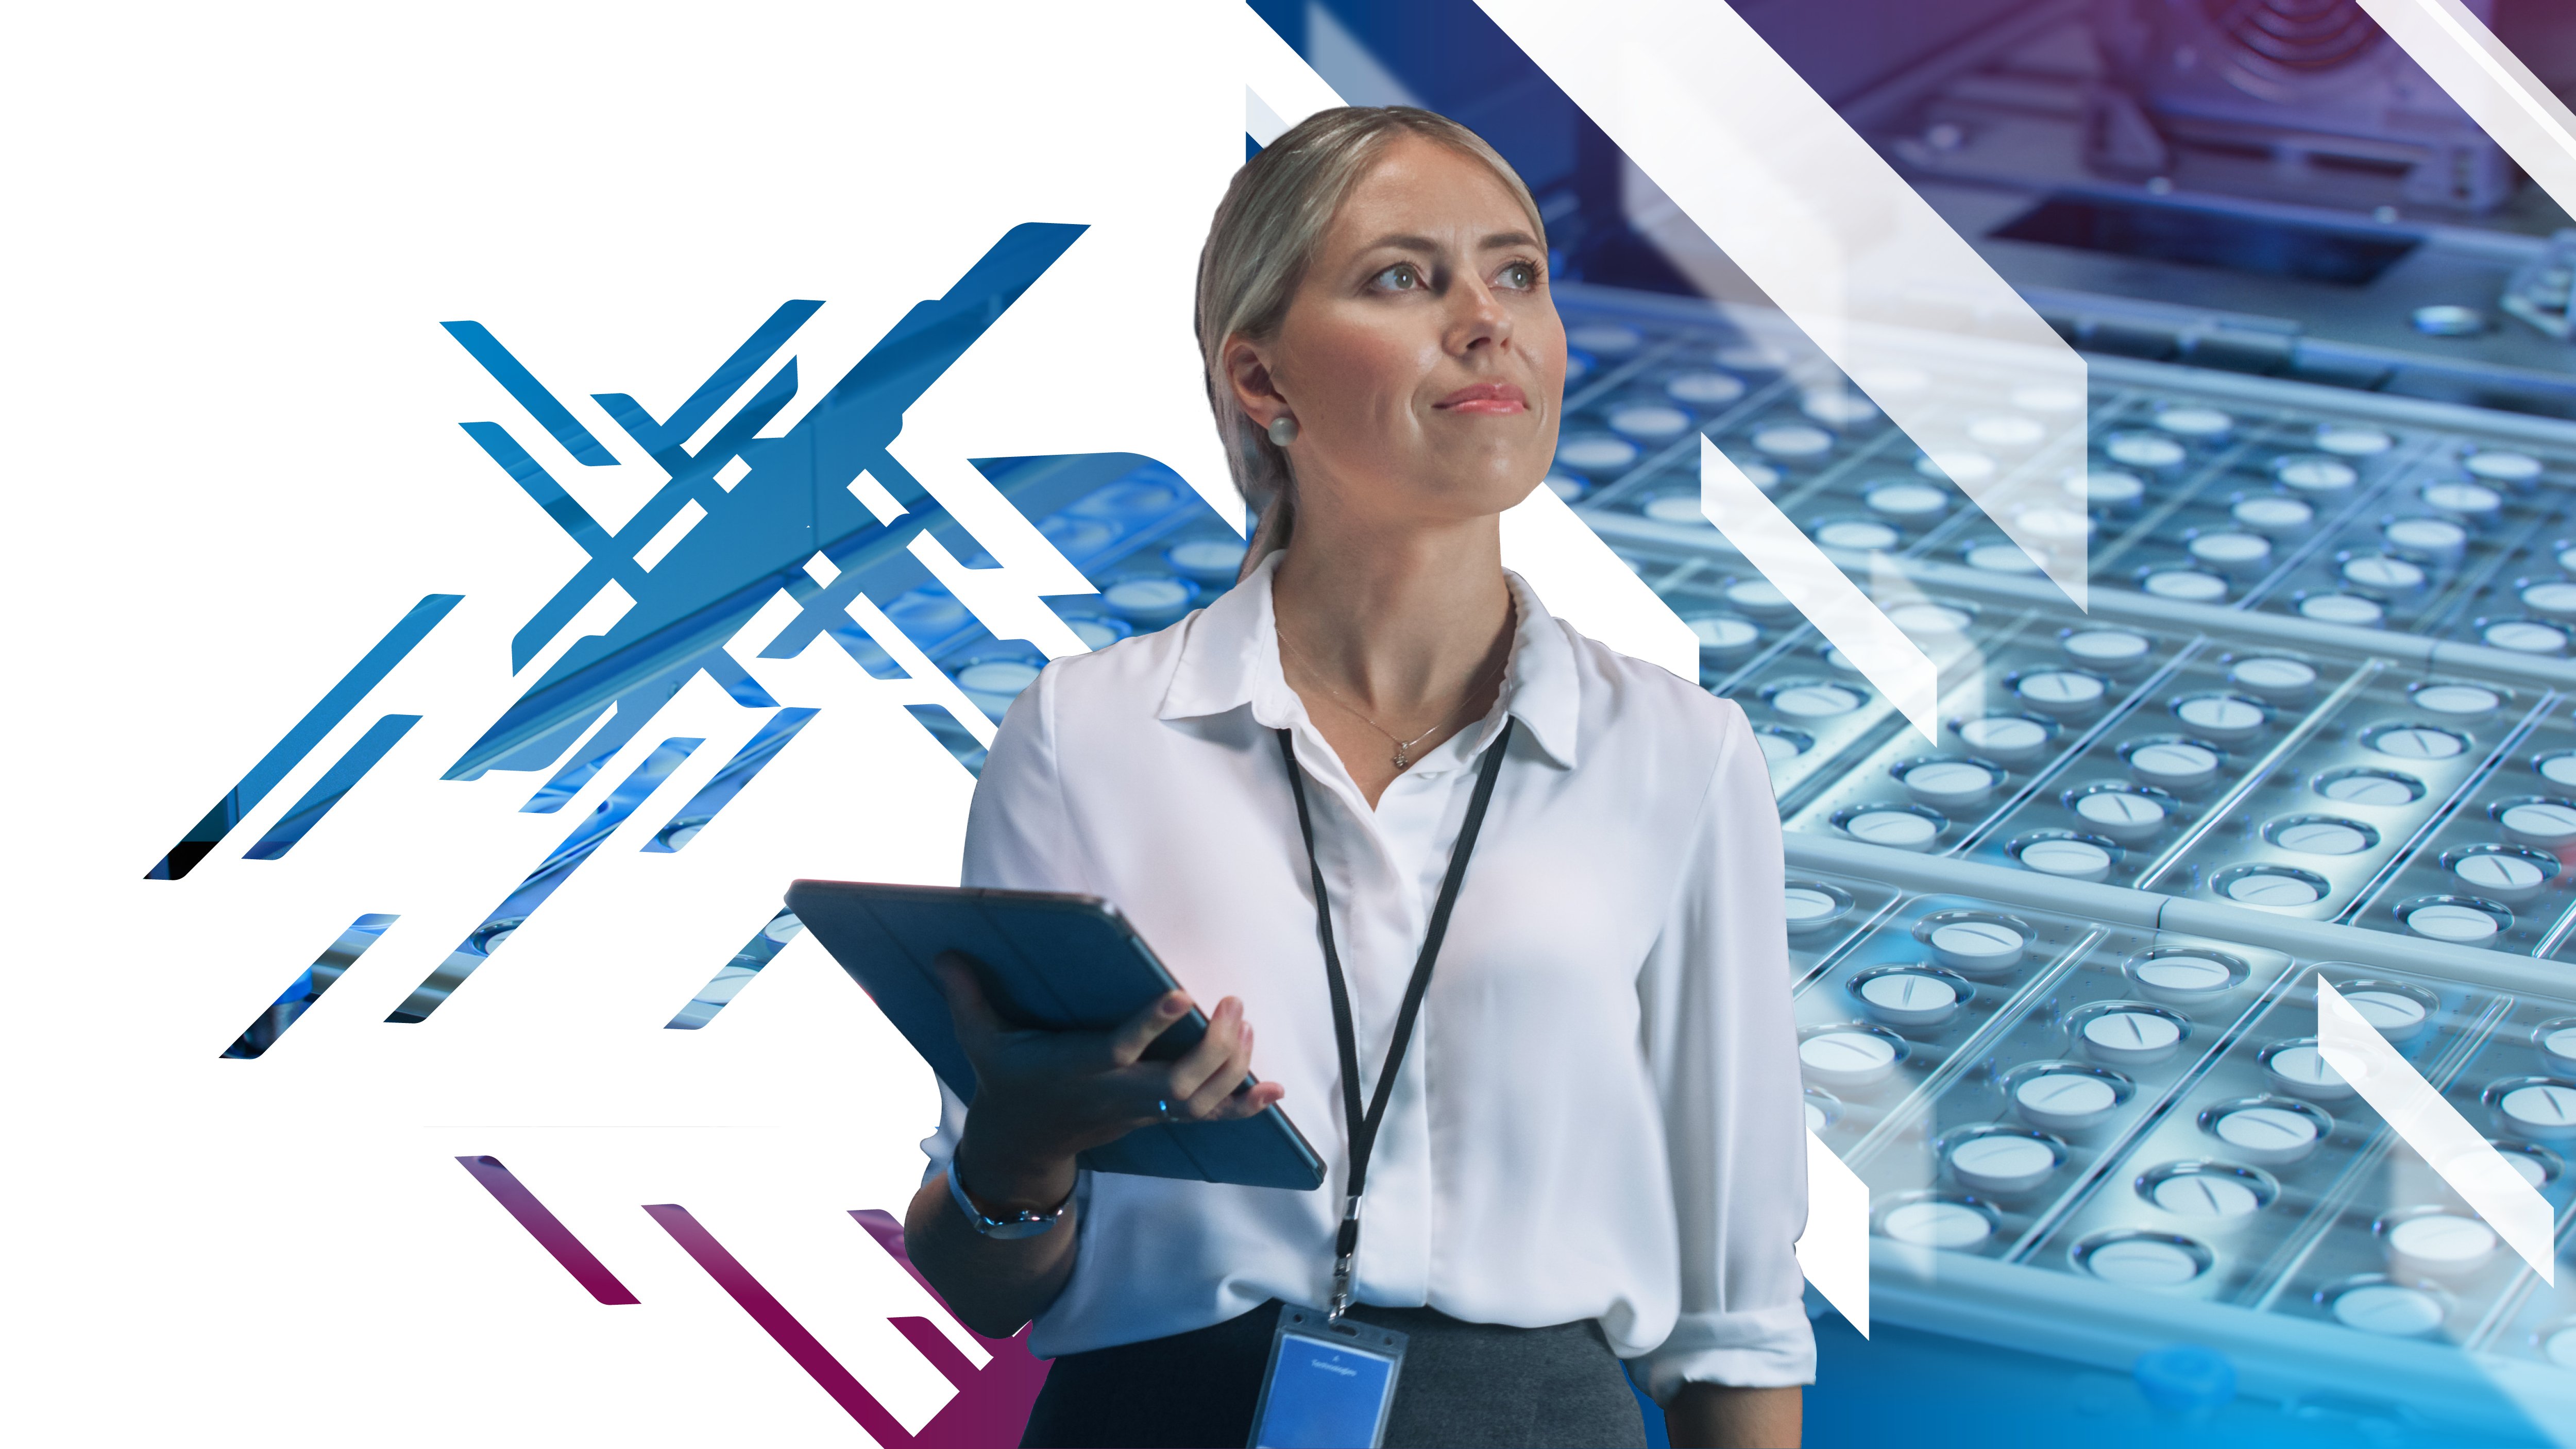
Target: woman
(1592, 1144)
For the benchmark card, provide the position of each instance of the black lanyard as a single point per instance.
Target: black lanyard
(1363, 1125)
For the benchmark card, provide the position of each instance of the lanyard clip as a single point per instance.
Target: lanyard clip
(1346, 1246)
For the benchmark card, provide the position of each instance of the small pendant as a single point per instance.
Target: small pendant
(1402, 760)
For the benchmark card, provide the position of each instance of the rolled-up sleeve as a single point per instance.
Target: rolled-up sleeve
(1721, 1043)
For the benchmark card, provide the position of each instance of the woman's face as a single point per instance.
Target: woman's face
(1421, 355)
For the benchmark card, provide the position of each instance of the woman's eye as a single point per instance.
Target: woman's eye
(1520, 274)
(1400, 278)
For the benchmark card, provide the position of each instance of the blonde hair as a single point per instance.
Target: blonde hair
(1265, 234)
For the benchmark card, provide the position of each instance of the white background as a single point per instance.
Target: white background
(234, 424)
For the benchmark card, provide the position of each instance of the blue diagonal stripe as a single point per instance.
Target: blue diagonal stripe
(336, 782)
(308, 732)
(542, 405)
(307, 987)
(747, 762)
(542, 882)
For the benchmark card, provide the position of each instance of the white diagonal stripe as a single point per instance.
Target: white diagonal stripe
(2425, 1121)
(1821, 223)
(1868, 639)
(1834, 1250)
(2498, 91)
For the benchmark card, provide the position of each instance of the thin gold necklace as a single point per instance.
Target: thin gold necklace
(1403, 748)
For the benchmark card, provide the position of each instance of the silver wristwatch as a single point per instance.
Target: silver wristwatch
(1024, 1224)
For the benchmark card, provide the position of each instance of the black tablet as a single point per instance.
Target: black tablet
(1066, 962)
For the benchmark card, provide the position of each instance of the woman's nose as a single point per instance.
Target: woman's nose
(1477, 317)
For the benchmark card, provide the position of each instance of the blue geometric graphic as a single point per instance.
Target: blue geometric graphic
(335, 784)
(307, 988)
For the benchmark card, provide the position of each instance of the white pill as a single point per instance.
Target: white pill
(2273, 516)
(2398, 1017)
(1794, 440)
(1564, 485)
(2315, 475)
(2185, 975)
(1913, 502)
(2382, 574)
(2144, 1263)
(1679, 506)
(2544, 1110)
(2041, 398)
(2131, 1038)
(2426, 537)
(2065, 1101)
(2558, 769)
(2002, 558)
(2002, 1163)
(1937, 1225)
(1609, 339)
(2222, 717)
(2207, 1195)
(1847, 1058)
(1208, 560)
(2471, 501)
(1837, 408)
(2386, 1308)
(2191, 422)
(2554, 600)
(1778, 746)
(2525, 636)
(2281, 681)
(2113, 651)
(2559, 1045)
(1977, 947)
(2060, 691)
(1863, 534)
(2504, 467)
(1758, 597)
(1908, 998)
(1810, 908)
(2273, 888)
(2269, 1136)
(2171, 765)
(2322, 837)
(2144, 450)
(1001, 679)
(2240, 554)
(2460, 701)
(2442, 1241)
(2349, 609)
(1706, 389)
(1929, 620)
(2007, 432)
(2106, 488)
(2067, 859)
(2301, 1070)
(1147, 599)
(1723, 634)
(2544, 823)
(1958, 467)
(2459, 925)
(2418, 742)
(1094, 633)
(1653, 422)
(2512, 879)
(1596, 453)
(2189, 586)
(2370, 787)
(2350, 441)
(2560, 1347)
(1896, 829)
(2129, 818)
(2005, 739)
(1949, 784)
(1815, 701)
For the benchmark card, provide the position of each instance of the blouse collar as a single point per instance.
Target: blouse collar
(1230, 658)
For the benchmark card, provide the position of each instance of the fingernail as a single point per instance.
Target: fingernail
(1175, 1004)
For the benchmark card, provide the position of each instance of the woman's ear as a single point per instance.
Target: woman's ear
(1248, 371)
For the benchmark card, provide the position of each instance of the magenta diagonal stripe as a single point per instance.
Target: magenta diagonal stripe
(780, 1325)
(992, 1403)
(547, 1229)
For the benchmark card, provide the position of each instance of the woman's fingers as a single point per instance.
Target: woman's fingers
(977, 1022)
(1192, 1069)
(1138, 1031)
(1220, 1084)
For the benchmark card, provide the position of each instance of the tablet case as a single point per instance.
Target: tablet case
(1059, 961)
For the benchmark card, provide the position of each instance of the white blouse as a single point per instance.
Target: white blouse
(1600, 1116)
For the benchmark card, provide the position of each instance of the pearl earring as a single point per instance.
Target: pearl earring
(1283, 430)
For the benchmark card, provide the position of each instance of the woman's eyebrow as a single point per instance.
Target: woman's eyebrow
(1407, 242)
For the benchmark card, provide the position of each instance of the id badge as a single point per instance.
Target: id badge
(1329, 1384)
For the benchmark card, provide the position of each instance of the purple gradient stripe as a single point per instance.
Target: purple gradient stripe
(548, 1230)
(781, 1325)
(992, 1403)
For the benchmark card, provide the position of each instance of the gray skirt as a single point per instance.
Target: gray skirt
(1463, 1384)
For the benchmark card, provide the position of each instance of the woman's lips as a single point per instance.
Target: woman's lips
(1485, 397)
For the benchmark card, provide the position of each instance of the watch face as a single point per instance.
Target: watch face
(1023, 1225)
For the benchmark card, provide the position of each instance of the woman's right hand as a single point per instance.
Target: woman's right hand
(1043, 1096)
